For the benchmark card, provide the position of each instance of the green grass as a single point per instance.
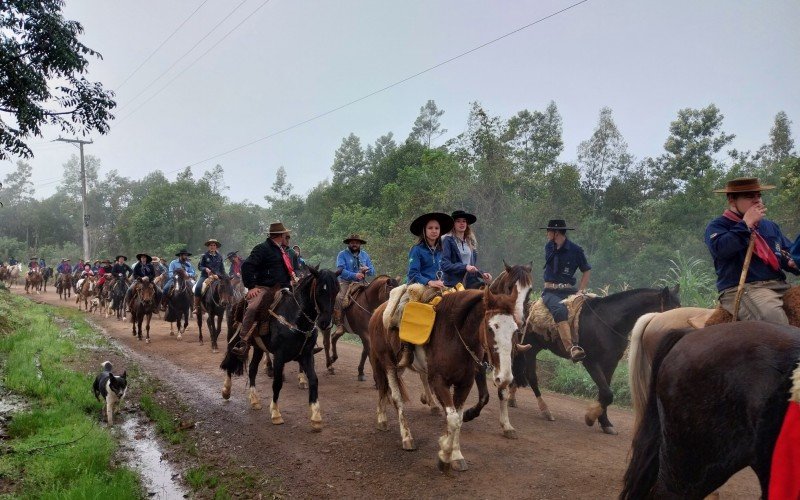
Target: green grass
(56, 447)
(560, 375)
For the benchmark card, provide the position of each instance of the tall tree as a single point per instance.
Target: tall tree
(348, 161)
(781, 144)
(384, 146)
(42, 64)
(280, 187)
(535, 138)
(17, 185)
(427, 127)
(601, 156)
(71, 182)
(216, 179)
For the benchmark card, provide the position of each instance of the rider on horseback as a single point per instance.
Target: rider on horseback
(236, 263)
(33, 265)
(562, 259)
(64, 267)
(728, 236)
(102, 272)
(264, 272)
(211, 264)
(459, 255)
(353, 266)
(143, 274)
(121, 268)
(425, 262)
(182, 262)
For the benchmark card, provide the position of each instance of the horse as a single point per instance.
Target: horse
(47, 273)
(292, 336)
(214, 301)
(85, 292)
(64, 285)
(470, 327)
(179, 303)
(604, 326)
(143, 306)
(715, 405)
(356, 320)
(33, 282)
(13, 274)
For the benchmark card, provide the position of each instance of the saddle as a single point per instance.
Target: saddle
(354, 291)
(541, 321)
(206, 283)
(791, 304)
(262, 315)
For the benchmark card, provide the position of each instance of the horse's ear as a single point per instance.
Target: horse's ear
(505, 264)
(314, 270)
(489, 299)
(529, 266)
(676, 290)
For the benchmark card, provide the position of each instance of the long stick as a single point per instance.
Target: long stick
(739, 291)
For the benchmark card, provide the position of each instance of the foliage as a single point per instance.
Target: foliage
(695, 280)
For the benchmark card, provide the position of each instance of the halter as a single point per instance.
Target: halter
(483, 365)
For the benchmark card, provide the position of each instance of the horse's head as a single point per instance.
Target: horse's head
(323, 290)
(499, 332)
(514, 278)
(147, 293)
(224, 290)
(670, 297)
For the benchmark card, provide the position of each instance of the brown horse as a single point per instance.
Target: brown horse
(64, 285)
(215, 301)
(356, 320)
(470, 327)
(715, 405)
(143, 306)
(33, 282)
(86, 292)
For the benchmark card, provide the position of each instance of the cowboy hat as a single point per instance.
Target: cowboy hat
(277, 228)
(212, 240)
(104, 261)
(460, 214)
(122, 256)
(97, 261)
(183, 252)
(445, 222)
(140, 255)
(64, 260)
(557, 224)
(34, 258)
(232, 254)
(354, 237)
(743, 185)
(156, 259)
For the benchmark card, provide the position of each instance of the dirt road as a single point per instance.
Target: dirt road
(350, 458)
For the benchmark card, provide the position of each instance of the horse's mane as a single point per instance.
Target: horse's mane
(457, 306)
(515, 274)
(623, 295)
(182, 273)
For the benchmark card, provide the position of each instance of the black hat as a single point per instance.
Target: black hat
(445, 222)
(232, 254)
(183, 252)
(354, 237)
(557, 224)
(460, 214)
(34, 258)
(118, 256)
(140, 255)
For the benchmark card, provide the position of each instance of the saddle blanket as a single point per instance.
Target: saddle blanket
(541, 321)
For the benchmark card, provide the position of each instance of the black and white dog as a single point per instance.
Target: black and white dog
(111, 387)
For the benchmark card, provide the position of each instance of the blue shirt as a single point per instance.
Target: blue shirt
(452, 264)
(727, 241)
(349, 263)
(795, 251)
(423, 263)
(177, 264)
(560, 264)
(213, 262)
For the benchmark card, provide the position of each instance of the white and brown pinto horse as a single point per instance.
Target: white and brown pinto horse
(470, 327)
(86, 290)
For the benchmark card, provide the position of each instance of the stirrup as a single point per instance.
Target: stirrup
(576, 353)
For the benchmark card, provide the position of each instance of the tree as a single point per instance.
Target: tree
(17, 185)
(71, 182)
(535, 139)
(601, 156)
(280, 187)
(781, 144)
(42, 64)
(384, 146)
(216, 179)
(426, 127)
(348, 161)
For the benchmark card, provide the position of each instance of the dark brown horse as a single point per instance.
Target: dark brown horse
(33, 282)
(215, 302)
(143, 306)
(470, 327)
(64, 285)
(47, 273)
(179, 302)
(716, 403)
(356, 320)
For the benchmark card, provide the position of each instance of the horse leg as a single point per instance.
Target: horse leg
(252, 371)
(277, 385)
(215, 332)
(139, 321)
(426, 397)
(326, 343)
(307, 364)
(302, 379)
(457, 460)
(270, 368)
(210, 325)
(508, 430)
(604, 397)
(453, 418)
(200, 325)
(364, 355)
(483, 396)
(149, 317)
(533, 380)
(605, 423)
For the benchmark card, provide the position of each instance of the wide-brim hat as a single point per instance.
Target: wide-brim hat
(277, 228)
(156, 259)
(354, 237)
(744, 185)
(212, 240)
(34, 258)
(105, 261)
(232, 254)
(64, 260)
(445, 223)
(557, 224)
(122, 256)
(460, 214)
(96, 261)
(183, 252)
(140, 255)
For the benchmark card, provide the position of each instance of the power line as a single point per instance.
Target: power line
(193, 62)
(162, 44)
(184, 55)
(387, 87)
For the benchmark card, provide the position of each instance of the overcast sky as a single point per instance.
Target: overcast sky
(293, 59)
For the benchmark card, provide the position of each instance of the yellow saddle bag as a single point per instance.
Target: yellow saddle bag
(417, 322)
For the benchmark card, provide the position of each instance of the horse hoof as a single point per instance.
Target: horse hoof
(277, 420)
(226, 393)
(302, 385)
(409, 445)
(459, 465)
(180, 337)
(443, 467)
(214, 350)
(435, 410)
(316, 426)
(549, 417)
(383, 426)
(610, 430)
(257, 406)
(201, 342)
(147, 341)
(334, 358)
(171, 334)
(512, 403)
(362, 377)
(589, 420)
(510, 434)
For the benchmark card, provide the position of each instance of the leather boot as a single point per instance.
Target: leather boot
(406, 356)
(196, 309)
(337, 320)
(575, 352)
(164, 300)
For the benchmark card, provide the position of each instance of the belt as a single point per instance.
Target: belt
(558, 285)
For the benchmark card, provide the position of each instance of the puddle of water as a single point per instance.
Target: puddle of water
(9, 404)
(144, 456)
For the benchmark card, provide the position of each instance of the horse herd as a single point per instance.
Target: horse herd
(690, 383)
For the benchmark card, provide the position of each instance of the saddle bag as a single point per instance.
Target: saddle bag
(417, 322)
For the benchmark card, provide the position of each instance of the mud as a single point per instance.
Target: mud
(142, 452)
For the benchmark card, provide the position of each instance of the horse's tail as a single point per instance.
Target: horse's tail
(642, 472)
(639, 368)
(518, 370)
(231, 364)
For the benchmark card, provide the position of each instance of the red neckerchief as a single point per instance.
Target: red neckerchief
(761, 248)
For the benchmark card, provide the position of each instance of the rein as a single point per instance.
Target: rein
(484, 365)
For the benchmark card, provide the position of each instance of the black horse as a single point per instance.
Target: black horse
(716, 403)
(605, 325)
(292, 336)
(47, 273)
(215, 302)
(179, 303)
(118, 289)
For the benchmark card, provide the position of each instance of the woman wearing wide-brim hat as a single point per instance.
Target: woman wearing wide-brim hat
(141, 270)
(728, 238)
(425, 260)
(460, 253)
(211, 264)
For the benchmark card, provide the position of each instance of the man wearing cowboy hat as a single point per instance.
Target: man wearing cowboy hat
(181, 262)
(265, 271)
(143, 272)
(120, 268)
(562, 259)
(353, 266)
(728, 237)
(211, 264)
(64, 267)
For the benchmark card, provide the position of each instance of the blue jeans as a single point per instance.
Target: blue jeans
(168, 285)
(552, 299)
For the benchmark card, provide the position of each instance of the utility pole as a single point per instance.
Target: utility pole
(80, 143)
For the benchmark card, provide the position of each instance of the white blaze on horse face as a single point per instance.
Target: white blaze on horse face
(503, 326)
(519, 307)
